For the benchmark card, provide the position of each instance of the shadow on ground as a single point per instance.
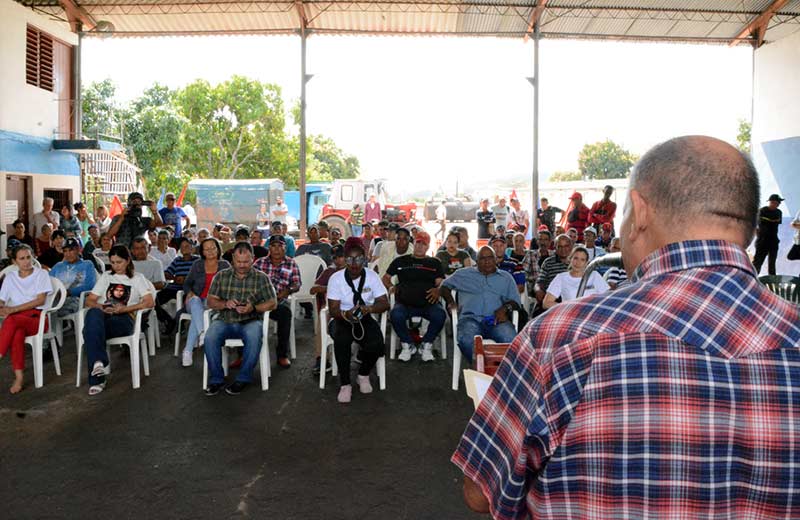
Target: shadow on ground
(168, 451)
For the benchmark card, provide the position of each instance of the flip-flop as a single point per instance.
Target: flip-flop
(98, 369)
(96, 389)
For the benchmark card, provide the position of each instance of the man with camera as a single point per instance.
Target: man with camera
(130, 223)
(354, 293)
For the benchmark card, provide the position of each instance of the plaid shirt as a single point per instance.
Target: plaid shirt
(673, 397)
(255, 288)
(285, 275)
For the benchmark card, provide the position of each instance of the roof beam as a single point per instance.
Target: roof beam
(301, 12)
(76, 16)
(536, 16)
(757, 28)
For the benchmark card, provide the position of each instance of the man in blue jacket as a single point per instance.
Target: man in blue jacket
(75, 273)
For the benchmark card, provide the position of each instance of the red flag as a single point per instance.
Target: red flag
(513, 194)
(116, 207)
(179, 202)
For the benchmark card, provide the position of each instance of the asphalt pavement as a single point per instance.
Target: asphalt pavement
(168, 451)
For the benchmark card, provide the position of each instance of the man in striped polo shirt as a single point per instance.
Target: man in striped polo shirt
(675, 396)
(175, 273)
(553, 265)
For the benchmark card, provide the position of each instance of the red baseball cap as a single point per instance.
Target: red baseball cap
(576, 195)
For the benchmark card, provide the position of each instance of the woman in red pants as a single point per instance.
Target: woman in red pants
(22, 299)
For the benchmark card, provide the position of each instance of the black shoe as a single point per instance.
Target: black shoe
(235, 388)
(214, 389)
(317, 367)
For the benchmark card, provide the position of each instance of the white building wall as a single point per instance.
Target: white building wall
(776, 116)
(24, 108)
(38, 183)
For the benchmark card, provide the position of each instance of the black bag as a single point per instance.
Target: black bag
(794, 253)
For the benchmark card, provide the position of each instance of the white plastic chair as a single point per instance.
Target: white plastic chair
(52, 303)
(457, 350)
(394, 338)
(263, 357)
(135, 342)
(57, 322)
(184, 316)
(327, 342)
(310, 266)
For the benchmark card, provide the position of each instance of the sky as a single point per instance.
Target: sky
(429, 110)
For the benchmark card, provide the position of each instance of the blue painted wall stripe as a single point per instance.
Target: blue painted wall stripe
(28, 154)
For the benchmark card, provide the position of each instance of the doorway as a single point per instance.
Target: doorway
(17, 196)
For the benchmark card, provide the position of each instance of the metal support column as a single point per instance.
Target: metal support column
(77, 98)
(302, 182)
(535, 174)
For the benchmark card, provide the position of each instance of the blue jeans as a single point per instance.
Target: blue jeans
(195, 307)
(99, 327)
(469, 327)
(218, 331)
(356, 229)
(435, 315)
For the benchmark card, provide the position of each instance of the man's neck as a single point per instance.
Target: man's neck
(404, 251)
(487, 273)
(241, 276)
(276, 261)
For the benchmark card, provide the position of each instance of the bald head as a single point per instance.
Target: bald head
(689, 188)
(699, 180)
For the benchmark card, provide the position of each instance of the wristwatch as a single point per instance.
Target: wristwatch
(509, 309)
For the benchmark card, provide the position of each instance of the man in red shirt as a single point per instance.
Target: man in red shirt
(577, 215)
(603, 210)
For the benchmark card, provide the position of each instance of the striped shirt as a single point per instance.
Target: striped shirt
(180, 267)
(675, 396)
(551, 267)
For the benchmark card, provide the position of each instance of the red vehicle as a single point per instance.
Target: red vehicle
(345, 193)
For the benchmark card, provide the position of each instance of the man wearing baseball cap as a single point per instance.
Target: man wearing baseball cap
(315, 246)
(130, 223)
(75, 273)
(173, 215)
(769, 220)
(577, 215)
(418, 276)
(486, 219)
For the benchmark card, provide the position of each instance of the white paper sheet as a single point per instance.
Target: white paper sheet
(476, 384)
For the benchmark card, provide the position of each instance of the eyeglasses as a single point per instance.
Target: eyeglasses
(359, 260)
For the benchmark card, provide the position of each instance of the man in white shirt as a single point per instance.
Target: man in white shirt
(162, 252)
(46, 216)
(501, 212)
(279, 210)
(148, 266)
(441, 218)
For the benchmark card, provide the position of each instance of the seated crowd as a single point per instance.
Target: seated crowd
(132, 262)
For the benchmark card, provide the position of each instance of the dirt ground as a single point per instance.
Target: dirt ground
(168, 451)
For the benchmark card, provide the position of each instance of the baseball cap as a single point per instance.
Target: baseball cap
(168, 195)
(337, 250)
(135, 195)
(404, 230)
(322, 224)
(71, 243)
(776, 198)
(393, 226)
(276, 239)
(12, 243)
(607, 226)
(313, 226)
(495, 238)
(423, 236)
(276, 224)
(576, 195)
(591, 230)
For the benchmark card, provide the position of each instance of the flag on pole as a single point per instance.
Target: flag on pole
(116, 207)
(160, 203)
(179, 202)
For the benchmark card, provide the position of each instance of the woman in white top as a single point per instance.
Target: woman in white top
(112, 304)
(565, 285)
(22, 299)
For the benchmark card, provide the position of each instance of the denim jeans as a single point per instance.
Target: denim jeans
(435, 315)
(196, 307)
(99, 327)
(469, 327)
(218, 331)
(356, 229)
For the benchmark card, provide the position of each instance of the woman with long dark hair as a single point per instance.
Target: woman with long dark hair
(112, 304)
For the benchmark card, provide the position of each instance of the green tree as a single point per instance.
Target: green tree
(743, 137)
(564, 176)
(605, 160)
(100, 112)
(235, 129)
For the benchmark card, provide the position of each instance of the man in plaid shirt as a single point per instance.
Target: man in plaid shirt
(285, 277)
(676, 396)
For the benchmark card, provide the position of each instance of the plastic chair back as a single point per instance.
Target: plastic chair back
(787, 287)
(310, 267)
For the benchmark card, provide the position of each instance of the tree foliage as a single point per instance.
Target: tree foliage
(100, 112)
(605, 160)
(743, 137)
(564, 176)
(233, 130)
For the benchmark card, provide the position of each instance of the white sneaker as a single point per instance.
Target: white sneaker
(407, 352)
(363, 384)
(427, 352)
(345, 394)
(187, 358)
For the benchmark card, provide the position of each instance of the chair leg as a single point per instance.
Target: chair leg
(456, 365)
(323, 362)
(79, 352)
(292, 342)
(381, 366)
(38, 362)
(225, 360)
(177, 337)
(145, 360)
(56, 360)
(151, 337)
(443, 340)
(205, 372)
(263, 360)
(135, 374)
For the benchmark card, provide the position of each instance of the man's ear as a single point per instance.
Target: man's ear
(642, 214)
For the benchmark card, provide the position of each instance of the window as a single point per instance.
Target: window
(346, 193)
(39, 59)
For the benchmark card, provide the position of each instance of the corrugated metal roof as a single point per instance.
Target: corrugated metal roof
(710, 21)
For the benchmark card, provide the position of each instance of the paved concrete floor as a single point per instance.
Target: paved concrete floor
(168, 451)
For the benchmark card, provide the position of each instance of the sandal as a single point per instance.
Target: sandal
(96, 389)
(98, 369)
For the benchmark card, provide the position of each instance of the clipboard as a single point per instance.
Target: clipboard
(476, 384)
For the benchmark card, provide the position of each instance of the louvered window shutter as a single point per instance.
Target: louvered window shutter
(39, 59)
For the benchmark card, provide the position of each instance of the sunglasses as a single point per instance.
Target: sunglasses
(358, 260)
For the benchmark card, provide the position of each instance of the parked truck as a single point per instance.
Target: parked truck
(232, 202)
(345, 193)
(317, 195)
